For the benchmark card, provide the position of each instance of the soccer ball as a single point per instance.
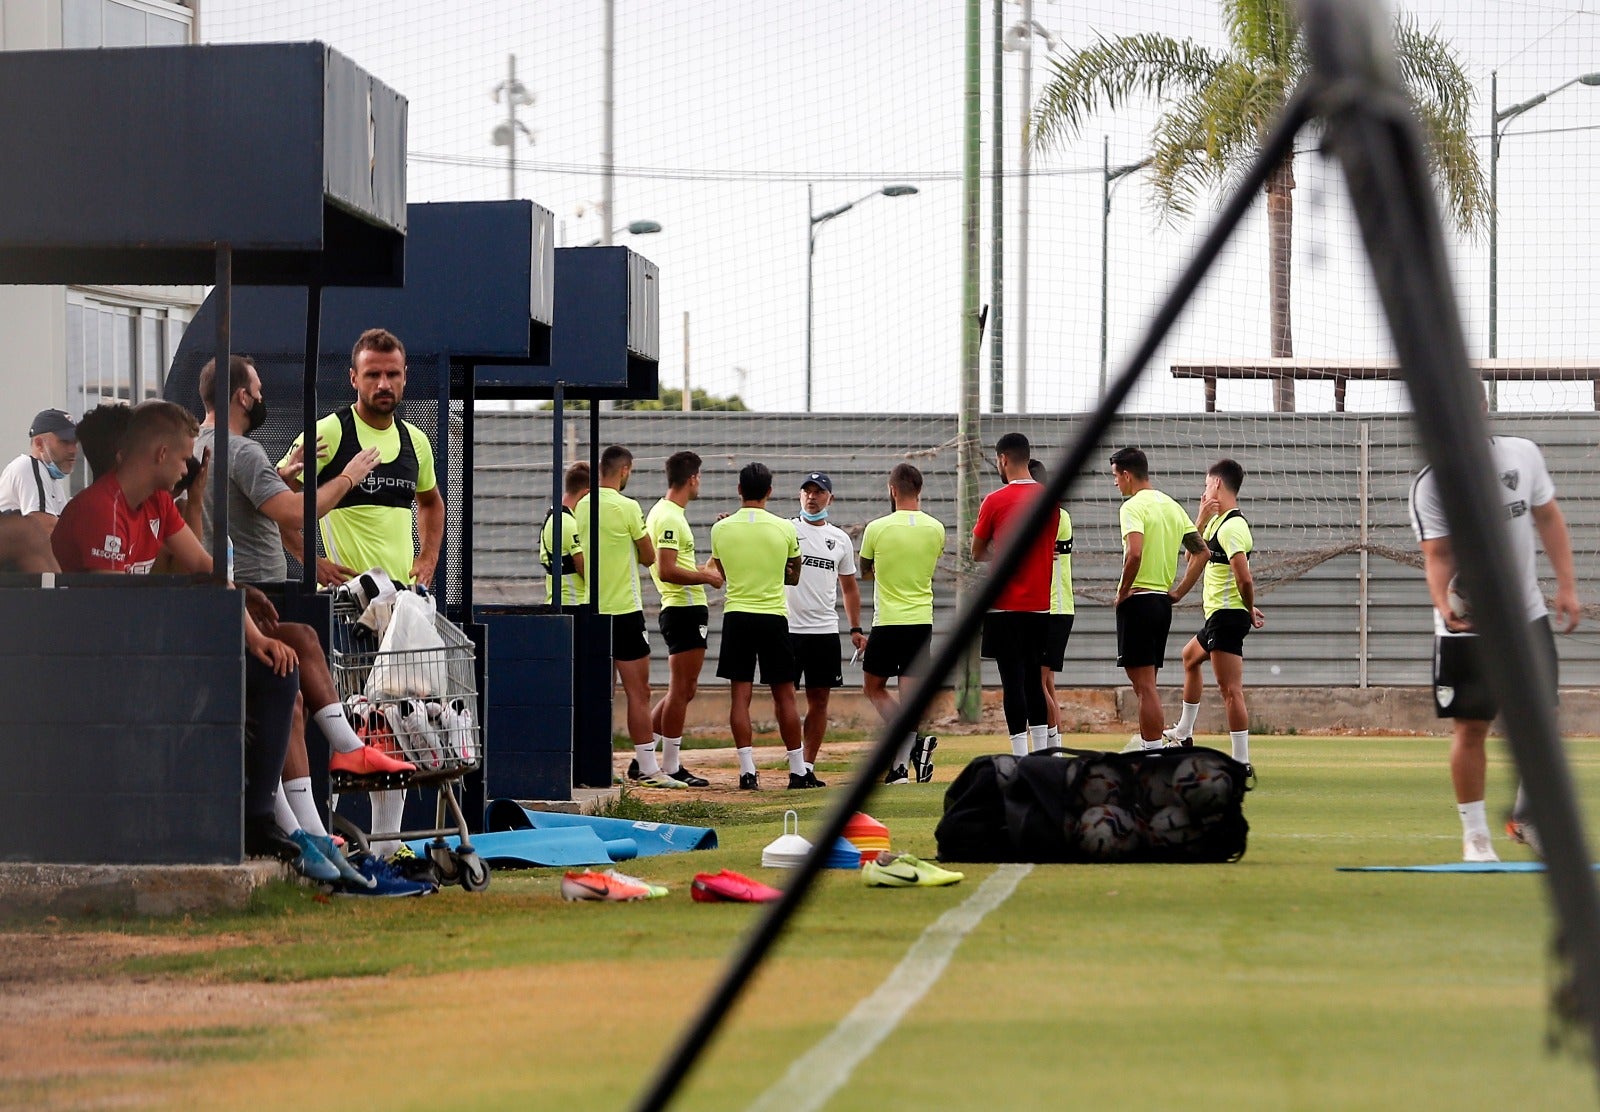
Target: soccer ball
(1203, 784)
(1460, 608)
(1102, 783)
(1107, 833)
(1170, 826)
(1155, 786)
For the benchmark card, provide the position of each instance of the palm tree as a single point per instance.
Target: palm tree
(1219, 106)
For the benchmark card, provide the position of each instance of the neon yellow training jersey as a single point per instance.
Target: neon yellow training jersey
(574, 588)
(1061, 586)
(1230, 533)
(621, 526)
(669, 528)
(754, 548)
(1164, 524)
(904, 548)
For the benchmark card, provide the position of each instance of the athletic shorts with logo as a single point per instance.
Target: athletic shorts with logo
(684, 628)
(629, 641)
(1058, 632)
(1014, 633)
(1461, 687)
(1143, 622)
(818, 660)
(752, 639)
(896, 650)
(1225, 631)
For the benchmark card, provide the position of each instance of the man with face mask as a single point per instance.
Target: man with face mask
(35, 483)
(264, 515)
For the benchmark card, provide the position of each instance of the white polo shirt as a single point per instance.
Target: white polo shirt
(825, 554)
(27, 488)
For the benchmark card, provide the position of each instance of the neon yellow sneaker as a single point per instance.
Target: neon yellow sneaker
(906, 871)
(656, 890)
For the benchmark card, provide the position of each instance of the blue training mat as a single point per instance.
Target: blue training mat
(650, 838)
(525, 848)
(1453, 867)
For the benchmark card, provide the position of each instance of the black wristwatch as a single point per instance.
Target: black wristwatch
(857, 629)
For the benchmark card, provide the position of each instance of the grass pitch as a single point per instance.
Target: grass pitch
(1275, 982)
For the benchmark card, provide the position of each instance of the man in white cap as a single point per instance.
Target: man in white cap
(35, 483)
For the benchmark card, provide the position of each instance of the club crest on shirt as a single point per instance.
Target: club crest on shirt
(829, 542)
(155, 528)
(1511, 478)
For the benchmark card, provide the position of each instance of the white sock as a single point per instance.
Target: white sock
(388, 812)
(1038, 738)
(671, 754)
(336, 728)
(1054, 736)
(902, 753)
(810, 768)
(304, 807)
(1148, 744)
(797, 761)
(1185, 726)
(1019, 744)
(747, 760)
(1473, 820)
(1241, 745)
(646, 756)
(282, 814)
(657, 739)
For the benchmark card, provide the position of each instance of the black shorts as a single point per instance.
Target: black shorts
(817, 660)
(897, 650)
(751, 639)
(1143, 622)
(629, 641)
(1014, 633)
(1461, 687)
(683, 628)
(1224, 632)
(1058, 630)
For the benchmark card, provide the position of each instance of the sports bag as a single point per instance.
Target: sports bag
(1075, 805)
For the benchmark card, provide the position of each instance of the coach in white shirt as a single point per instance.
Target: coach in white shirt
(35, 483)
(827, 571)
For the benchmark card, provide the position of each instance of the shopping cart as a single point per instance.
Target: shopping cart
(421, 706)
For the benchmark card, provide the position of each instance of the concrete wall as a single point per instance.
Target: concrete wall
(1310, 475)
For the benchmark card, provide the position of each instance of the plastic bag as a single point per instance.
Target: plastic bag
(411, 659)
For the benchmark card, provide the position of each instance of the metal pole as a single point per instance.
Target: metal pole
(557, 488)
(811, 251)
(687, 405)
(1105, 254)
(221, 395)
(608, 115)
(1024, 162)
(1365, 479)
(1494, 225)
(308, 436)
(997, 217)
(968, 679)
(511, 127)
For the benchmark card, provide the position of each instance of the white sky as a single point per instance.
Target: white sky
(724, 111)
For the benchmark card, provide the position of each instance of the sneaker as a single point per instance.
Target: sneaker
(590, 885)
(386, 880)
(659, 779)
(262, 838)
(748, 782)
(1172, 738)
(370, 767)
(347, 872)
(922, 757)
(1523, 833)
(730, 887)
(311, 864)
(656, 890)
(804, 780)
(813, 782)
(633, 769)
(906, 871)
(1476, 847)
(897, 775)
(689, 779)
(414, 867)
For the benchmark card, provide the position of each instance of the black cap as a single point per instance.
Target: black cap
(820, 478)
(56, 421)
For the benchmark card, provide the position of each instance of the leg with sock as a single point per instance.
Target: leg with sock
(1468, 774)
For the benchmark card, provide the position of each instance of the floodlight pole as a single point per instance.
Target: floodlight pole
(1109, 178)
(608, 153)
(511, 128)
(1024, 160)
(997, 217)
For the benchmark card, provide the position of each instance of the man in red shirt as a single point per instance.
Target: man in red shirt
(1015, 630)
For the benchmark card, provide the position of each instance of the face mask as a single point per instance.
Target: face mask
(257, 415)
(50, 466)
(823, 516)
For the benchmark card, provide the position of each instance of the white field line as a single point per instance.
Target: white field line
(823, 1070)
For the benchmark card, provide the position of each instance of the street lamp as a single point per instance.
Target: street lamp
(817, 219)
(1109, 177)
(637, 228)
(516, 95)
(1497, 118)
(1020, 38)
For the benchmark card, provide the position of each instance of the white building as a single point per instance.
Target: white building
(72, 346)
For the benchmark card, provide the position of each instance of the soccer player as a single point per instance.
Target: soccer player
(1016, 629)
(1062, 611)
(1461, 689)
(1229, 601)
(900, 552)
(827, 572)
(574, 589)
(1154, 527)
(758, 553)
(624, 543)
(685, 617)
